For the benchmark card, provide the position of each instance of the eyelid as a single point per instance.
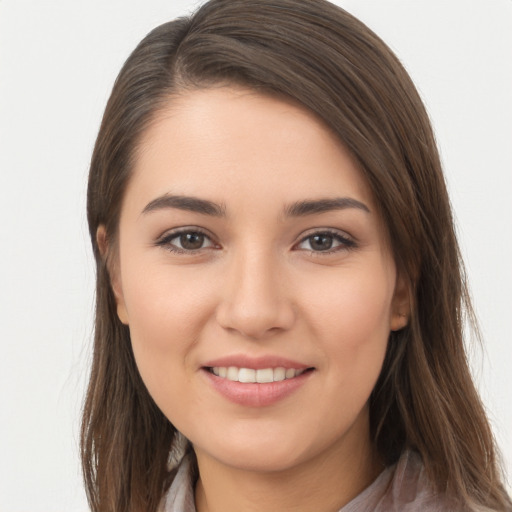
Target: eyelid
(165, 238)
(347, 242)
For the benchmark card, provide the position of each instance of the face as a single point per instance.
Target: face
(254, 274)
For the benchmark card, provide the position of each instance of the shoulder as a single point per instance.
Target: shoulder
(403, 487)
(411, 490)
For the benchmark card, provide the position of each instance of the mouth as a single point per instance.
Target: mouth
(256, 376)
(256, 381)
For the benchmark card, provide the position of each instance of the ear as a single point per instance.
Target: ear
(401, 304)
(113, 271)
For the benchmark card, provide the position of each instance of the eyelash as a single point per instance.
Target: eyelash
(165, 240)
(345, 243)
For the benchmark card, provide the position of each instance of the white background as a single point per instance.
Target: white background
(58, 60)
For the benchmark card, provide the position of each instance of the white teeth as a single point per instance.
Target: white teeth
(279, 374)
(246, 375)
(232, 373)
(266, 375)
(290, 373)
(249, 375)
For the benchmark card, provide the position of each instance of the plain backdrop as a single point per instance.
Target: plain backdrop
(58, 61)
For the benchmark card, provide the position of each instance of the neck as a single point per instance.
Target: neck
(326, 482)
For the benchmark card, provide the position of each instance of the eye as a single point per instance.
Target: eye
(325, 241)
(186, 241)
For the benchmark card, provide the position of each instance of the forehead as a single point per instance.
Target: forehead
(231, 144)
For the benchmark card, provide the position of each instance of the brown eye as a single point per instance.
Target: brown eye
(186, 241)
(191, 241)
(325, 242)
(321, 242)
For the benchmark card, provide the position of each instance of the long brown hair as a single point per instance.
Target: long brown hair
(328, 61)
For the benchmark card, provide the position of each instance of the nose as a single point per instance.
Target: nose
(256, 300)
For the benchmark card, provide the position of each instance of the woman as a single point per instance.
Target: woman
(279, 293)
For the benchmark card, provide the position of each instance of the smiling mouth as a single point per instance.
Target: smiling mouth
(260, 376)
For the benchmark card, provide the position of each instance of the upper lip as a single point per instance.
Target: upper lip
(256, 363)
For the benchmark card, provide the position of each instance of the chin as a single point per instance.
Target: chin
(260, 460)
(273, 453)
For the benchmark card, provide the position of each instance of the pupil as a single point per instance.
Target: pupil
(192, 240)
(321, 242)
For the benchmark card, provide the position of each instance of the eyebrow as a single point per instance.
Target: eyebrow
(297, 209)
(187, 203)
(314, 206)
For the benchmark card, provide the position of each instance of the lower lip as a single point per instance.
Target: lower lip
(256, 394)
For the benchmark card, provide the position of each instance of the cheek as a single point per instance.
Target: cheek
(352, 326)
(167, 310)
(350, 314)
(165, 303)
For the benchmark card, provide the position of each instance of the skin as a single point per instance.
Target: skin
(258, 286)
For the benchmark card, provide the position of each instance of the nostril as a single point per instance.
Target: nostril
(255, 320)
